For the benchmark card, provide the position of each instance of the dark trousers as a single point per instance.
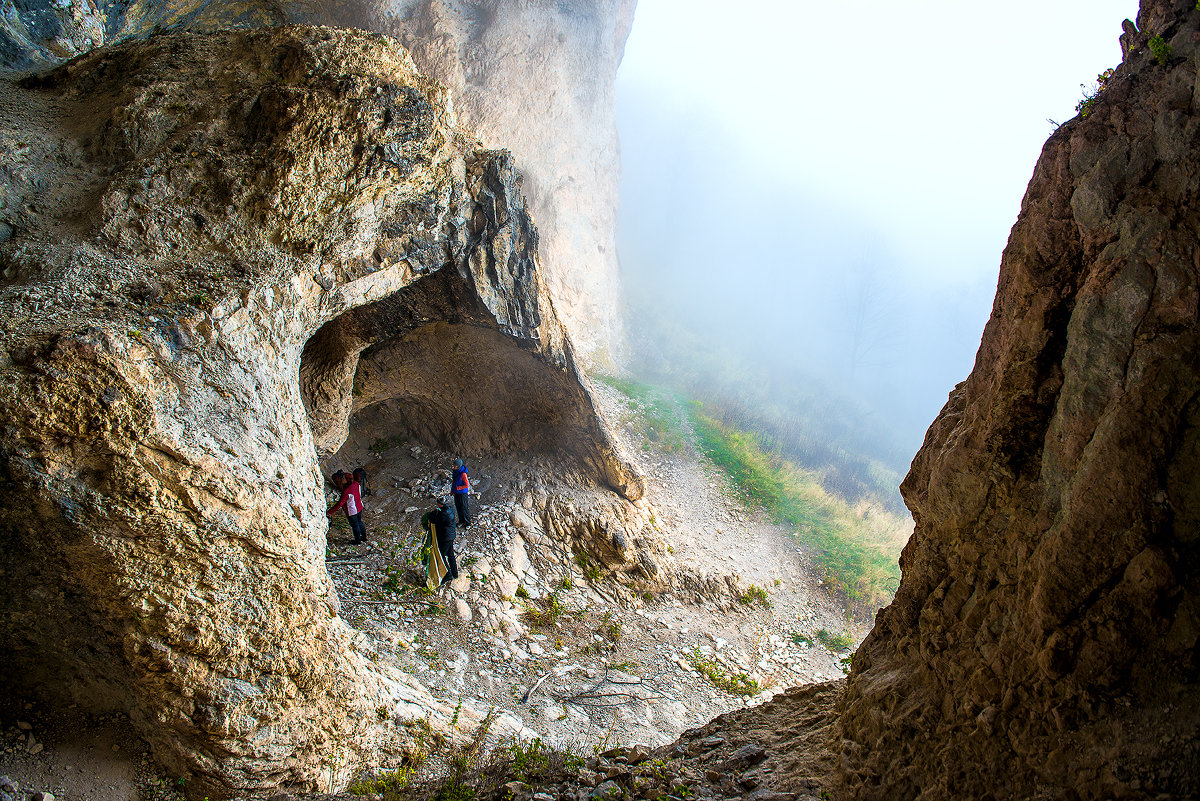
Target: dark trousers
(446, 546)
(460, 503)
(356, 526)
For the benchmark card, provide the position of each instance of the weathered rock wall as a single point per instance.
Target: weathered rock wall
(1045, 639)
(535, 78)
(185, 213)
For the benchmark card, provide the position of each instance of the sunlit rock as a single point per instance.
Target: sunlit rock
(209, 232)
(533, 78)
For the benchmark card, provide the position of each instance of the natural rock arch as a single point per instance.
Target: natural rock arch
(225, 197)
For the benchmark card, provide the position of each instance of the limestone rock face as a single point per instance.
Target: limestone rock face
(205, 235)
(1045, 639)
(535, 78)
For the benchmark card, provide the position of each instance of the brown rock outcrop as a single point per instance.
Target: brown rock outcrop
(208, 233)
(533, 78)
(1045, 639)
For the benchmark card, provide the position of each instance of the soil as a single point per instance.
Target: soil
(606, 672)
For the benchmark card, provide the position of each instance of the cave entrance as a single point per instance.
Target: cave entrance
(429, 365)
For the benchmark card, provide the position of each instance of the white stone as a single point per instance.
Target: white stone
(462, 609)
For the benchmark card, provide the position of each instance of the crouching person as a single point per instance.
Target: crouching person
(351, 501)
(444, 523)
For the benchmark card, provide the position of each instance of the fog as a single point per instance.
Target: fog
(826, 189)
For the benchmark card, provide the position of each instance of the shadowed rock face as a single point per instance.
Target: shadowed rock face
(535, 78)
(207, 233)
(1044, 639)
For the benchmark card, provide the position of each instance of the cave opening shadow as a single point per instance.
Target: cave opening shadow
(430, 365)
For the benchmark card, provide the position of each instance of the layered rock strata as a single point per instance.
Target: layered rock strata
(533, 78)
(205, 234)
(1045, 639)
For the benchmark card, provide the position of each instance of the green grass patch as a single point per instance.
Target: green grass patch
(755, 595)
(732, 683)
(856, 547)
(544, 613)
(656, 414)
(834, 641)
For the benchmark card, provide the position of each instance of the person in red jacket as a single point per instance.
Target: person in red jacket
(351, 501)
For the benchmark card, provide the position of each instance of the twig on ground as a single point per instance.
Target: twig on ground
(536, 684)
(594, 699)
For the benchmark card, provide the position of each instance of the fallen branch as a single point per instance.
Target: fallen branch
(592, 698)
(536, 684)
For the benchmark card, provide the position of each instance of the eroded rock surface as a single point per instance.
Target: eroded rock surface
(1044, 639)
(186, 213)
(533, 78)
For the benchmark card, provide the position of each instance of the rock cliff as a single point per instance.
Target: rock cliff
(205, 234)
(1045, 639)
(535, 78)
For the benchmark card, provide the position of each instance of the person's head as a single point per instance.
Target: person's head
(339, 479)
(443, 502)
(360, 475)
(458, 463)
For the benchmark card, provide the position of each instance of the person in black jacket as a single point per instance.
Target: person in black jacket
(443, 522)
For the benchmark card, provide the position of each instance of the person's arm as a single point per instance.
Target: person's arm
(341, 501)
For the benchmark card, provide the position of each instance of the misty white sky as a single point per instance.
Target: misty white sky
(892, 138)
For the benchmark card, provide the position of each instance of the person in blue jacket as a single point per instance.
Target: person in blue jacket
(460, 488)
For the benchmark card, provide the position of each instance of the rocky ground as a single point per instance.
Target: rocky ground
(523, 631)
(595, 667)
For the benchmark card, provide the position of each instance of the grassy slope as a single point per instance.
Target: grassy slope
(856, 543)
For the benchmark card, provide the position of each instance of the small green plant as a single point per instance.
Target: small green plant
(392, 581)
(670, 549)
(734, 684)
(755, 594)
(682, 791)
(433, 609)
(778, 582)
(383, 444)
(1160, 49)
(567, 583)
(590, 570)
(846, 663)
(381, 712)
(453, 790)
(610, 628)
(390, 782)
(801, 639)
(544, 613)
(624, 667)
(528, 758)
(647, 596)
(1090, 96)
(454, 717)
(834, 641)
(522, 593)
